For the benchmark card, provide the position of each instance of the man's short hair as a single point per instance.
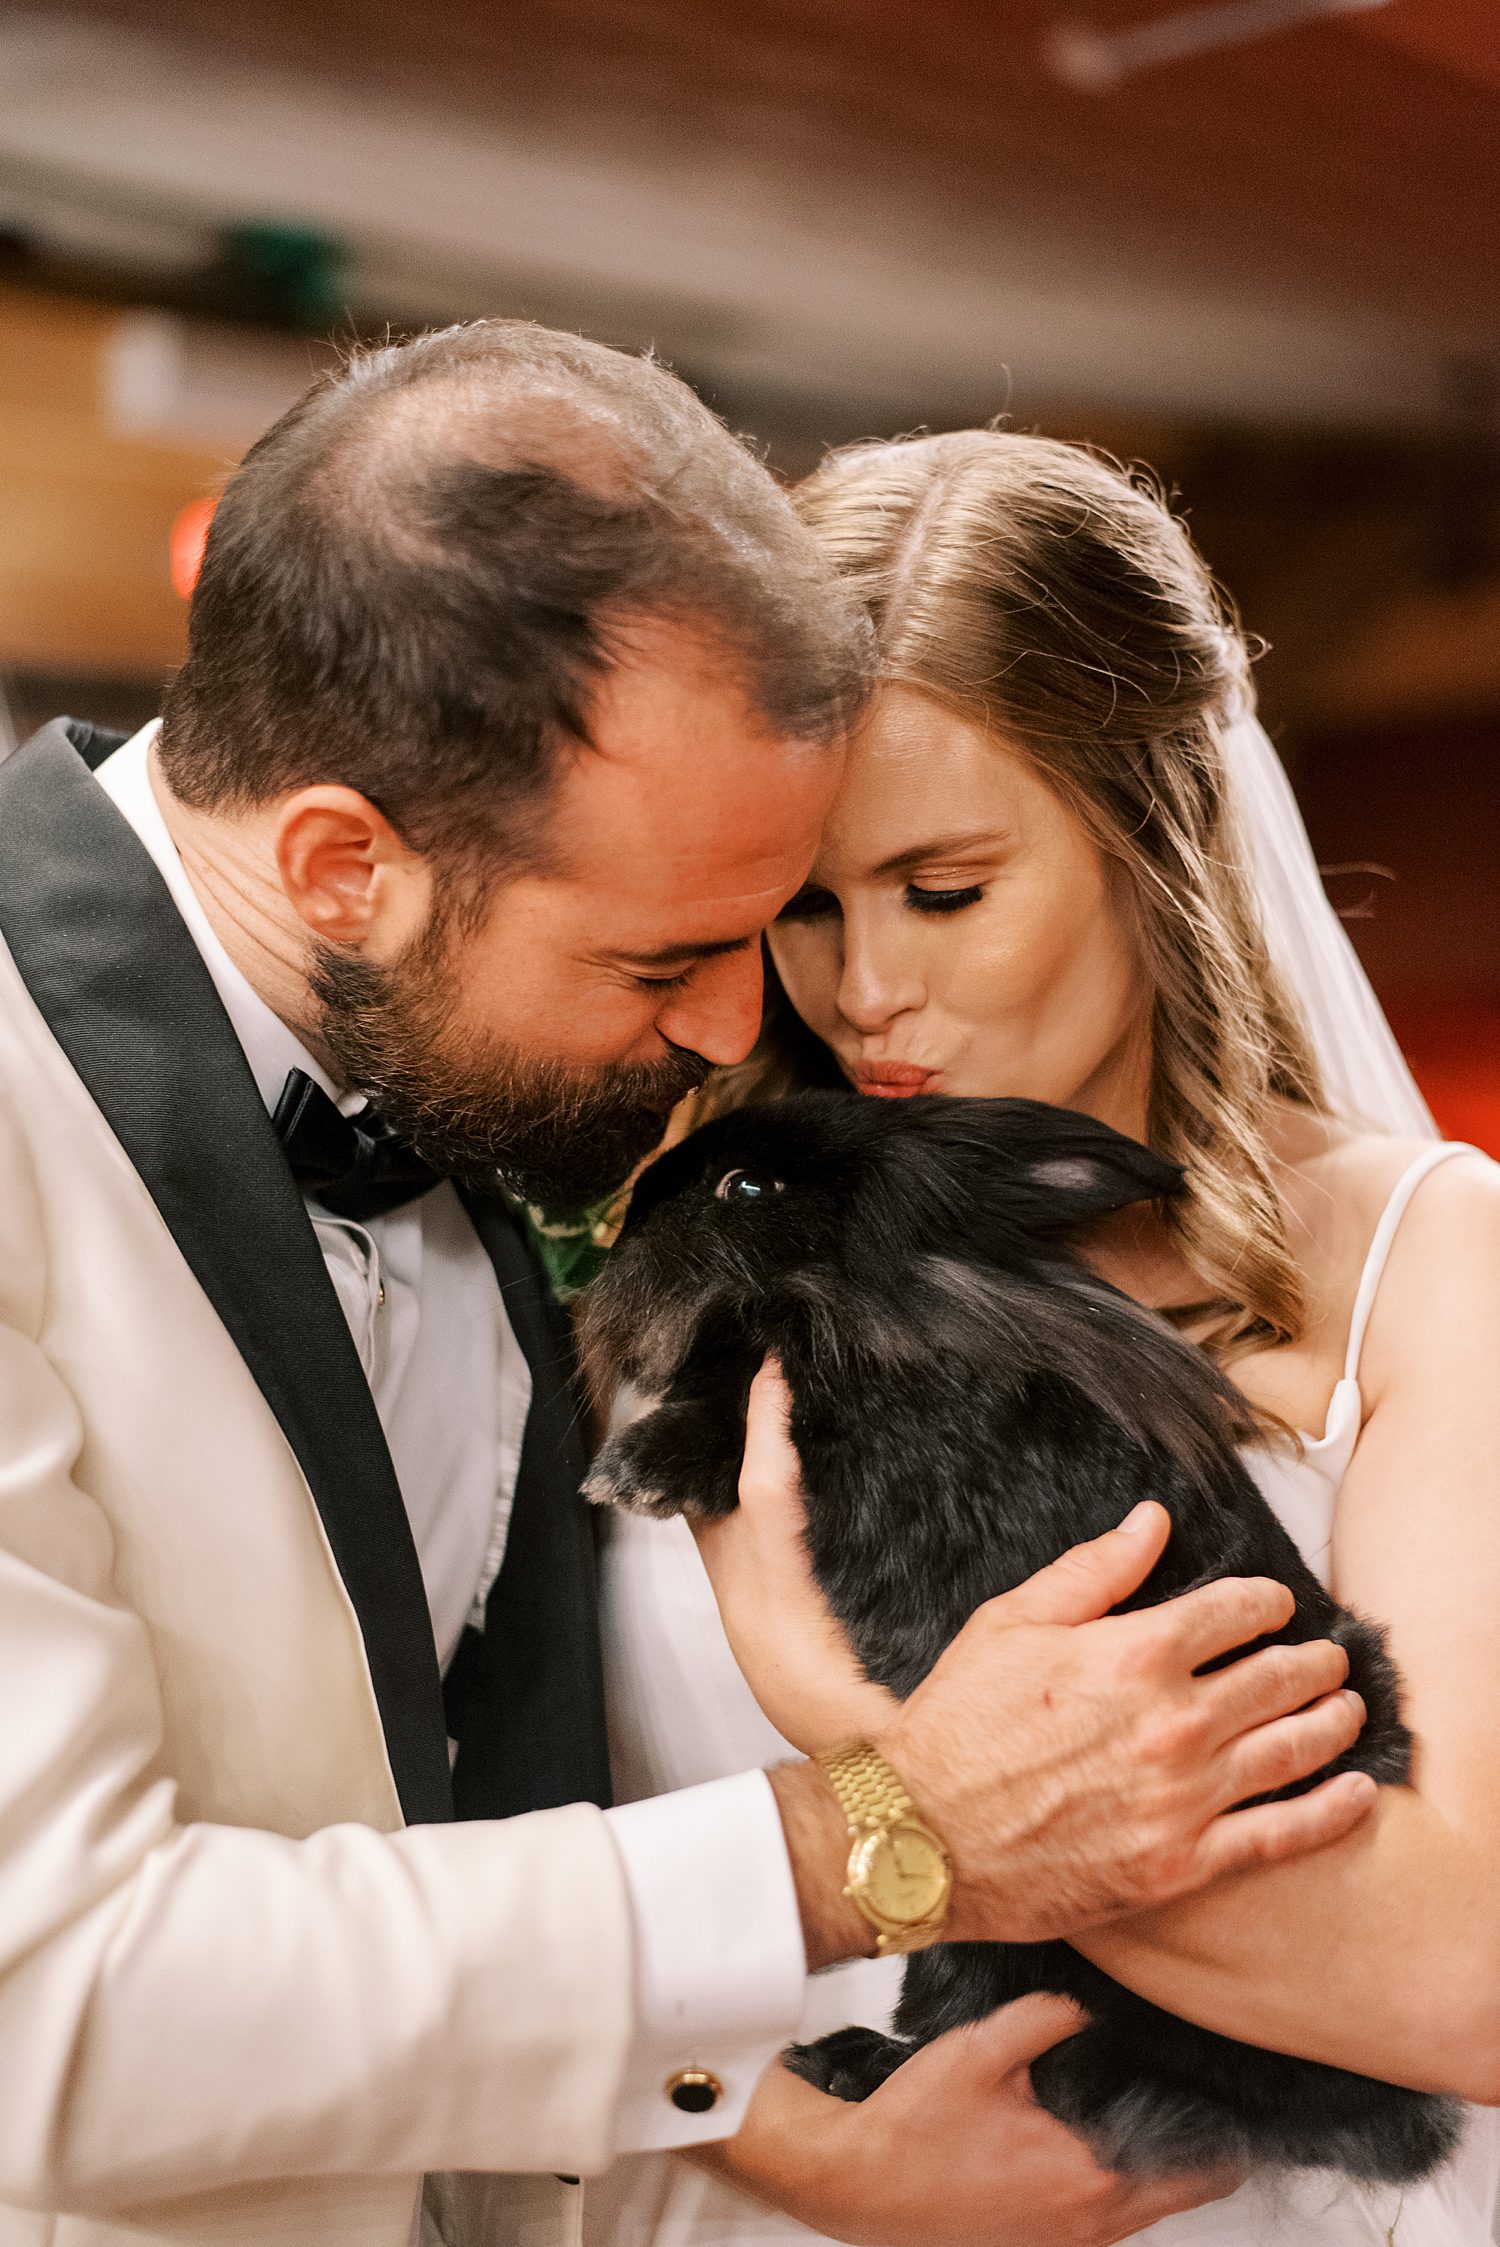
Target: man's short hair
(410, 584)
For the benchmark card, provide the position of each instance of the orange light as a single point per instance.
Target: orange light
(185, 549)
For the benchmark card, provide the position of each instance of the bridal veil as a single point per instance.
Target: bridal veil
(1364, 1071)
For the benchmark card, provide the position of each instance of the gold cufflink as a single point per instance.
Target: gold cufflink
(694, 2090)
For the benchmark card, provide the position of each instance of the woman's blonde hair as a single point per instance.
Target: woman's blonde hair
(1051, 595)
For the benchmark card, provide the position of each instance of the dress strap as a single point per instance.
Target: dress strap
(1385, 1233)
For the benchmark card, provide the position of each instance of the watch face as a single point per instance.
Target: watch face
(903, 1873)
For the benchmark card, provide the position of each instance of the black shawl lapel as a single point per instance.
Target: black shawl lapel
(526, 1695)
(102, 949)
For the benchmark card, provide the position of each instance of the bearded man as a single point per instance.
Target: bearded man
(513, 705)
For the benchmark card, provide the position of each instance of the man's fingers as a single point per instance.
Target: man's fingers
(1273, 1683)
(1292, 1749)
(770, 1469)
(1088, 1580)
(1006, 2043)
(1275, 1831)
(1218, 1617)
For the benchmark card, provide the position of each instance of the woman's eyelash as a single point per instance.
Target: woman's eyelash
(942, 900)
(813, 904)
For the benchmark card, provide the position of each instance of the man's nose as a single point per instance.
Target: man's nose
(874, 983)
(718, 1013)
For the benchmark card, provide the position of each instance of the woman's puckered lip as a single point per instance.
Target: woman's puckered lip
(892, 1080)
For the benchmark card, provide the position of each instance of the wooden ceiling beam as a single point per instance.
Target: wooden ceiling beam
(1362, 168)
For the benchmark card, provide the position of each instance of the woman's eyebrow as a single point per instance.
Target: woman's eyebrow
(941, 847)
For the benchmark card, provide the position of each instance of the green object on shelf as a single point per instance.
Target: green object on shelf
(299, 268)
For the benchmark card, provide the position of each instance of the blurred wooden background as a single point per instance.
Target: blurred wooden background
(1272, 272)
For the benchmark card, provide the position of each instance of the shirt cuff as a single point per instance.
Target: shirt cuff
(720, 1968)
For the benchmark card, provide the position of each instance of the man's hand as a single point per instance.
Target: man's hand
(1074, 1762)
(1080, 1769)
(953, 2151)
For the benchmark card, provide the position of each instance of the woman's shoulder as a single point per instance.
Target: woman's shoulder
(1338, 1186)
(1339, 1183)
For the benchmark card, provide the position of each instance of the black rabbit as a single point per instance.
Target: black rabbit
(967, 1401)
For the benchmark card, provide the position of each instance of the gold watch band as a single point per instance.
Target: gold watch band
(868, 1791)
(899, 1878)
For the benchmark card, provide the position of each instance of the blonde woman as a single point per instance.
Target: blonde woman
(1064, 863)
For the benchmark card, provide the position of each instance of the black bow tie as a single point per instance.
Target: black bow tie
(353, 1166)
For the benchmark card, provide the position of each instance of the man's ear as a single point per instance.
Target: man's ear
(346, 871)
(1041, 1172)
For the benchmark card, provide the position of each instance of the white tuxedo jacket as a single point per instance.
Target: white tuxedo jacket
(221, 1708)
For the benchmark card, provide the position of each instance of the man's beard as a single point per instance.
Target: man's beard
(557, 1135)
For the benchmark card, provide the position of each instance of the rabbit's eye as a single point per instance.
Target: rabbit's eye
(744, 1186)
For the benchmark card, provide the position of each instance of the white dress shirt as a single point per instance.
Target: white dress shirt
(719, 1963)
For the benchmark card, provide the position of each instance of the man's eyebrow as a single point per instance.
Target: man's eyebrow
(939, 847)
(680, 955)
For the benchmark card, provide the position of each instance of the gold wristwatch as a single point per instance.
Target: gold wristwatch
(899, 1877)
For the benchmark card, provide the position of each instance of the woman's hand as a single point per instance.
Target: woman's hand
(800, 1665)
(952, 2151)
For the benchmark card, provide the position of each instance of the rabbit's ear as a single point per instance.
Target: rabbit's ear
(1046, 1171)
(1081, 1186)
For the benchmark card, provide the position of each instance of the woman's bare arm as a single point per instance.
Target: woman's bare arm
(1382, 1953)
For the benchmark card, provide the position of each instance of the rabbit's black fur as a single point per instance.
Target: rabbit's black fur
(967, 1401)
